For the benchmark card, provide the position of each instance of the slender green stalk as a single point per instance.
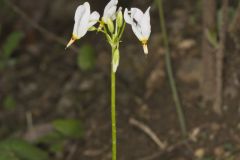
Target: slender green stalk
(169, 70)
(113, 112)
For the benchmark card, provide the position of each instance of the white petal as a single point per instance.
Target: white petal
(110, 4)
(137, 14)
(94, 17)
(110, 14)
(78, 16)
(79, 12)
(83, 24)
(75, 28)
(127, 18)
(137, 31)
(145, 24)
(110, 10)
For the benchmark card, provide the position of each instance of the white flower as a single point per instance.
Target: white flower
(110, 11)
(84, 20)
(140, 23)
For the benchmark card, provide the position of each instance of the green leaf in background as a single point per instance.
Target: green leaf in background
(208, 158)
(212, 38)
(86, 58)
(12, 42)
(51, 138)
(9, 103)
(57, 147)
(22, 150)
(7, 155)
(69, 127)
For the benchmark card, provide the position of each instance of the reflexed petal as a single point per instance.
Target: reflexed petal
(111, 13)
(127, 18)
(110, 10)
(145, 24)
(137, 31)
(78, 16)
(75, 28)
(94, 17)
(79, 12)
(145, 17)
(110, 5)
(83, 26)
(137, 14)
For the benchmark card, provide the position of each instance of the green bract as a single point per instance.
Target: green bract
(115, 60)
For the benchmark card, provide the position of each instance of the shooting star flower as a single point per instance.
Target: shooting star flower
(140, 23)
(84, 20)
(110, 11)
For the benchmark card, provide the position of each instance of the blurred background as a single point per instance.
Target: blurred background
(55, 103)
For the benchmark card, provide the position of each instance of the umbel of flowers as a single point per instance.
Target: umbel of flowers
(112, 25)
(85, 21)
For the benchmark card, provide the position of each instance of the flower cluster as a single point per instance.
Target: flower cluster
(85, 21)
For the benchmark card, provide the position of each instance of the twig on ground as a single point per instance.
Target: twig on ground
(44, 31)
(149, 132)
(95, 152)
(167, 150)
(219, 59)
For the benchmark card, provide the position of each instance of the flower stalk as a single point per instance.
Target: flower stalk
(113, 111)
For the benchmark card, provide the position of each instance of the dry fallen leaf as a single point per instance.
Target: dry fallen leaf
(186, 44)
(194, 134)
(199, 153)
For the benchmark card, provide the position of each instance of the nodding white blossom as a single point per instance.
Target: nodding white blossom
(84, 20)
(140, 23)
(110, 11)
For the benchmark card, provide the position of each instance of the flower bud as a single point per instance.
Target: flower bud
(119, 19)
(110, 25)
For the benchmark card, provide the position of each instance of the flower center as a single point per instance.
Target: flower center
(144, 41)
(74, 37)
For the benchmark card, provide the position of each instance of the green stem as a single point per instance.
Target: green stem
(169, 70)
(113, 113)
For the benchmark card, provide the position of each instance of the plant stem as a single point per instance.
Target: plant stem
(169, 70)
(113, 112)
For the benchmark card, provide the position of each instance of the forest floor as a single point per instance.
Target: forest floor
(47, 82)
